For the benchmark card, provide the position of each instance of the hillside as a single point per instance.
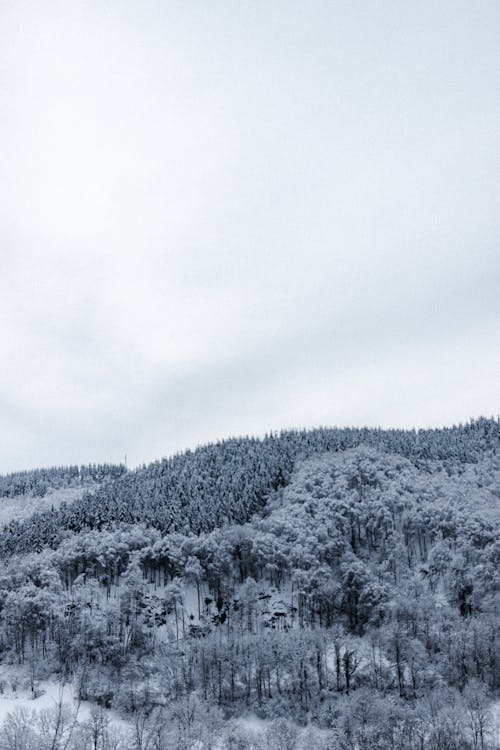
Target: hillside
(228, 482)
(24, 493)
(339, 585)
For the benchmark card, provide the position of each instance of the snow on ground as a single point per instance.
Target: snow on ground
(273, 608)
(49, 695)
(495, 723)
(252, 724)
(22, 506)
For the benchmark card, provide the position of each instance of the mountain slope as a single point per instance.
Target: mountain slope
(348, 579)
(229, 481)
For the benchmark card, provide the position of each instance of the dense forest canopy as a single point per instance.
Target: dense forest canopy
(341, 584)
(222, 483)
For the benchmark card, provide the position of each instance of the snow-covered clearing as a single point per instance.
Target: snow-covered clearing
(49, 696)
(23, 506)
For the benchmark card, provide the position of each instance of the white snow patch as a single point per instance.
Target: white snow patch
(49, 695)
(23, 506)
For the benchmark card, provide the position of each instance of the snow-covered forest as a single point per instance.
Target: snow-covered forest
(333, 588)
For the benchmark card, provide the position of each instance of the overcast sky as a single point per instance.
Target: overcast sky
(223, 218)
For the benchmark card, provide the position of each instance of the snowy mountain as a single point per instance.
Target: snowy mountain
(326, 588)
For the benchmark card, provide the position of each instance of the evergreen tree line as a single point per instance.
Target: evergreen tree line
(228, 482)
(38, 482)
(362, 602)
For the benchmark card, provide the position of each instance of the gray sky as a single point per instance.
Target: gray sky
(223, 218)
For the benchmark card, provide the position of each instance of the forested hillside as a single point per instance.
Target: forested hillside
(40, 481)
(342, 586)
(227, 482)
(27, 492)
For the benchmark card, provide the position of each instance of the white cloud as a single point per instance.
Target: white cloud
(214, 217)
